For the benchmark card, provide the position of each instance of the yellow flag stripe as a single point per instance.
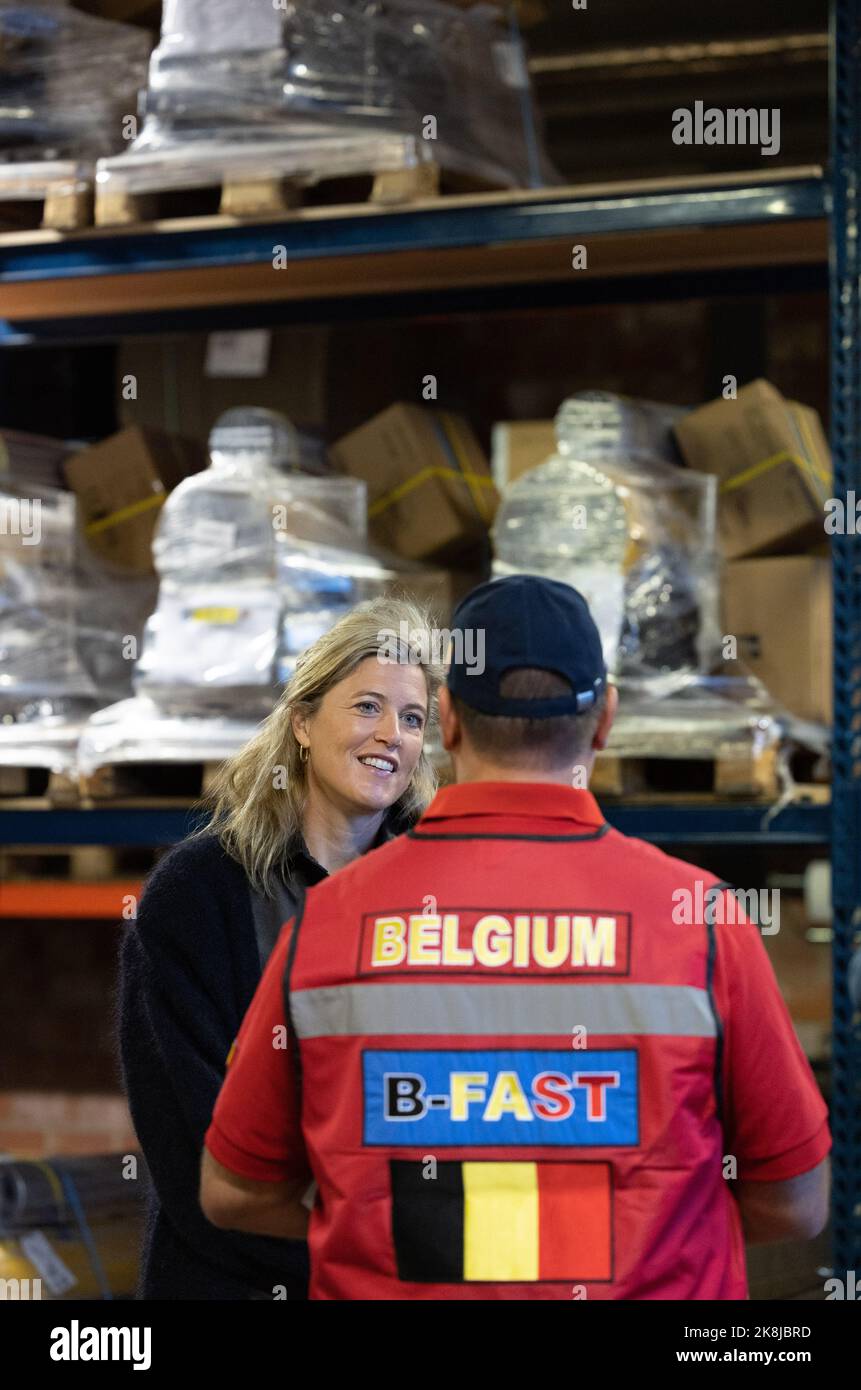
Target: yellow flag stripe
(500, 1222)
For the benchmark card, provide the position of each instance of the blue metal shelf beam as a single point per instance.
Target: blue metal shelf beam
(661, 822)
(450, 224)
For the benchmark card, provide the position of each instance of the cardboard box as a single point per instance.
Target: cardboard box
(774, 469)
(440, 591)
(518, 445)
(780, 611)
(121, 484)
(430, 493)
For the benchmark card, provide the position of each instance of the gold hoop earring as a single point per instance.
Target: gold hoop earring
(304, 753)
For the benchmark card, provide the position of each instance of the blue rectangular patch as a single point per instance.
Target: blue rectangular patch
(524, 1098)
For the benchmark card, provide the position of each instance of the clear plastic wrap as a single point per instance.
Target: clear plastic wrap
(178, 716)
(43, 733)
(68, 625)
(140, 731)
(66, 81)
(633, 532)
(233, 518)
(712, 717)
(34, 460)
(38, 653)
(329, 87)
(602, 425)
(210, 642)
(255, 561)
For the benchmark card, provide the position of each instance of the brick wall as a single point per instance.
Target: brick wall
(39, 1124)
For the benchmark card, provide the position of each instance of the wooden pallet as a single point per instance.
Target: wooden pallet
(681, 779)
(749, 774)
(62, 863)
(150, 783)
(257, 197)
(55, 195)
(54, 788)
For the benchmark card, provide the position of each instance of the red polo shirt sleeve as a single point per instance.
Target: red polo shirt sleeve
(775, 1119)
(256, 1130)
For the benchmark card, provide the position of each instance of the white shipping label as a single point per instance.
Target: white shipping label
(220, 535)
(242, 354)
(41, 1253)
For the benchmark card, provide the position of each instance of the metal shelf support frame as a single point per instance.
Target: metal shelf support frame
(845, 216)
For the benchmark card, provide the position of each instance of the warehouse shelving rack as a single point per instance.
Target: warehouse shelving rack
(515, 249)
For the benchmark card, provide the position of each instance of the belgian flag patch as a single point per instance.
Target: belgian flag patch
(502, 1222)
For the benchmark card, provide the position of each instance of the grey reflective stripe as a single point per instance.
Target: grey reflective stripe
(508, 1010)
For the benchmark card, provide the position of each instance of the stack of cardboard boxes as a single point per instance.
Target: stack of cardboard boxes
(774, 469)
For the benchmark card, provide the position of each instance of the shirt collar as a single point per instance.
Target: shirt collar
(539, 799)
(312, 871)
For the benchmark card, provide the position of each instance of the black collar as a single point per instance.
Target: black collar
(304, 869)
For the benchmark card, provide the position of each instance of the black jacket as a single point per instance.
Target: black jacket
(189, 967)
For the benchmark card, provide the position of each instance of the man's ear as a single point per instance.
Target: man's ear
(605, 723)
(449, 721)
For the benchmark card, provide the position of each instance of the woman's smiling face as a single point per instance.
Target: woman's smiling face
(366, 737)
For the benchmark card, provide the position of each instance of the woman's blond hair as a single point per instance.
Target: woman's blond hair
(258, 796)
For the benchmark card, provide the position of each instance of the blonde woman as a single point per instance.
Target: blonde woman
(338, 768)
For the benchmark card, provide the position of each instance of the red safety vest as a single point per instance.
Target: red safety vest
(509, 1060)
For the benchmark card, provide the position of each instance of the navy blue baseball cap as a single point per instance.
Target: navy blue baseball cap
(526, 621)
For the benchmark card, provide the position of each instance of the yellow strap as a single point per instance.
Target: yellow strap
(756, 469)
(125, 513)
(450, 429)
(807, 436)
(389, 498)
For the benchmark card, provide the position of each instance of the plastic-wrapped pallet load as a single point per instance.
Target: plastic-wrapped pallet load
(67, 80)
(611, 514)
(256, 561)
(65, 625)
(248, 553)
(331, 87)
(38, 656)
(32, 458)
